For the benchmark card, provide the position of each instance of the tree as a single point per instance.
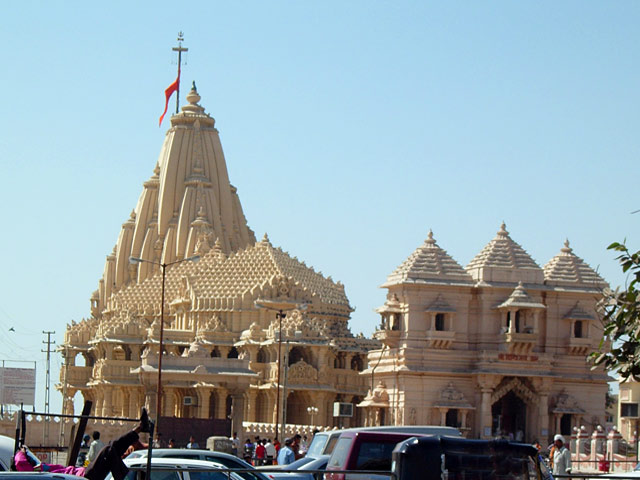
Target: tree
(619, 349)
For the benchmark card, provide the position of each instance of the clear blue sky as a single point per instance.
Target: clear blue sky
(350, 129)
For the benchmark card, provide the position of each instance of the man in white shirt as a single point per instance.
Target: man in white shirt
(561, 457)
(95, 446)
(235, 441)
(271, 452)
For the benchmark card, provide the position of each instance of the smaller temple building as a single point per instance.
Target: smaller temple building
(496, 349)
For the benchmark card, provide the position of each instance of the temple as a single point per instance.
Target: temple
(496, 349)
(221, 339)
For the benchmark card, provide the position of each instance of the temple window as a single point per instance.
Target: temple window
(181, 350)
(395, 321)
(215, 353)
(296, 354)
(262, 356)
(233, 353)
(440, 326)
(356, 363)
(451, 418)
(577, 329)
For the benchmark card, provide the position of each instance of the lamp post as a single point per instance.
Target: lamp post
(164, 266)
(312, 411)
(280, 307)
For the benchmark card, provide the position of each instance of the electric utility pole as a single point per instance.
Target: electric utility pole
(47, 394)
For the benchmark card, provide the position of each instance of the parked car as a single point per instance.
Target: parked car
(324, 442)
(225, 459)
(7, 445)
(368, 450)
(439, 458)
(176, 469)
(301, 469)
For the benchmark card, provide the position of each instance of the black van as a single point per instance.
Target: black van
(446, 458)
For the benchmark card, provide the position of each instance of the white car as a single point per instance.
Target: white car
(224, 459)
(176, 469)
(6, 452)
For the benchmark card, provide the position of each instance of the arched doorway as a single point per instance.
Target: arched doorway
(297, 404)
(509, 416)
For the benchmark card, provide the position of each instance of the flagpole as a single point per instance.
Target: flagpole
(179, 49)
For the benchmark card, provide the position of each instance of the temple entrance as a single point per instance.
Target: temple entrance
(509, 416)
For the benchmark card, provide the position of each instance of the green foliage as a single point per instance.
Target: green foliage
(619, 349)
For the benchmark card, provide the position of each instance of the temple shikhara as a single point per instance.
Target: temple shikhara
(496, 349)
(220, 345)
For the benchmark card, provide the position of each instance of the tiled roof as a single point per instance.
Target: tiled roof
(519, 298)
(428, 263)
(217, 276)
(568, 269)
(502, 252)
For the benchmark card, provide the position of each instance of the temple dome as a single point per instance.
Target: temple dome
(428, 264)
(567, 269)
(504, 261)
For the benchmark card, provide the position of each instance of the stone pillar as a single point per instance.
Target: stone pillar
(134, 410)
(613, 443)
(221, 403)
(543, 417)
(252, 404)
(237, 412)
(598, 440)
(485, 414)
(443, 415)
(204, 394)
(463, 421)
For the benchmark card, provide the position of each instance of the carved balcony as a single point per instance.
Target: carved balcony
(390, 338)
(579, 346)
(519, 342)
(439, 339)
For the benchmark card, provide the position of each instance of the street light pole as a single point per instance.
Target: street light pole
(312, 411)
(164, 266)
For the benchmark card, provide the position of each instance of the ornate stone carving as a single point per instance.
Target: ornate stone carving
(302, 372)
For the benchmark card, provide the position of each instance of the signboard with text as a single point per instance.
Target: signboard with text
(17, 385)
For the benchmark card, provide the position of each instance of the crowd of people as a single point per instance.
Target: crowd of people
(262, 451)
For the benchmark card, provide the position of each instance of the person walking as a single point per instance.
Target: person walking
(192, 443)
(561, 457)
(270, 451)
(235, 442)
(287, 454)
(261, 453)
(96, 446)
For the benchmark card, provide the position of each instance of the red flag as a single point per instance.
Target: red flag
(167, 94)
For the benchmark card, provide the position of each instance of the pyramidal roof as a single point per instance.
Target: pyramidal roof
(567, 269)
(503, 260)
(221, 282)
(188, 200)
(519, 298)
(428, 264)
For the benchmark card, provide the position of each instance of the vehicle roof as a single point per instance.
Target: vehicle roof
(170, 452)
(380, 435)
(186, 462)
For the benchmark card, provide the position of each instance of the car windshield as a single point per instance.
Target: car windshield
(317, 444)
(155, 475)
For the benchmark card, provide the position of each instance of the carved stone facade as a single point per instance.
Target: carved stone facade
(220, 349)
(496, 348)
